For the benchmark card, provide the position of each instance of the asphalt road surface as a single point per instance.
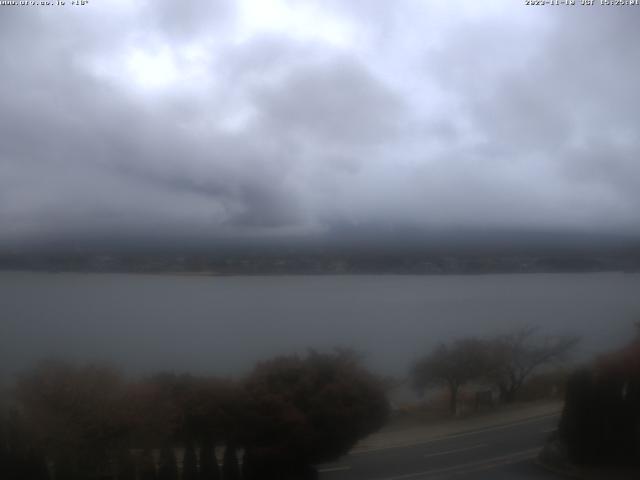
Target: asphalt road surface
(496, 453)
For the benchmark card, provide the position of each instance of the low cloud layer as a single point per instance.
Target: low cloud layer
(268, 118)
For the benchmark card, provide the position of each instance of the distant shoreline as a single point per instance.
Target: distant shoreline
(315, 274)
(363, 262)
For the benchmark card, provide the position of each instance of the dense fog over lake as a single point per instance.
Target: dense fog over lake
(222, 325)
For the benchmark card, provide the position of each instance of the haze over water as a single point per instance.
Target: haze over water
(222, 325)
(383, 135)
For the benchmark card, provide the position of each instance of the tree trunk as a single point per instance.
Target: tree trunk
(453, 400)
(230, 467)
(507, 394)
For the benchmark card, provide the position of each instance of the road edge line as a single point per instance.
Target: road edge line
(498, 426)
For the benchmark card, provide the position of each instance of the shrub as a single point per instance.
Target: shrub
(308, 410)
(601, 418)
(209, 469)
(189, 463)
(167, 466)
(230, 467)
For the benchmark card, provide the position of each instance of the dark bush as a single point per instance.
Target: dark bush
(125, 465)
(74, 415)
(182, 408)
(306, 410)
(290, 413)
(230, 466)
(190, 463)
(209, 469)
(601, 419)
(65, 466)
(20, 457)
(545, 385)
(167, 466)
(147, 467)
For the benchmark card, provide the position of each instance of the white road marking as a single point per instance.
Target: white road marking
(472, 467)
(339, 468)
(456, 435)
(447, 452)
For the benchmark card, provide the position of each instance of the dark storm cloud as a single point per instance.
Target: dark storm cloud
(271, 118)
(336, 103)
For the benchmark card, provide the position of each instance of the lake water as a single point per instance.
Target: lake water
(224, 324)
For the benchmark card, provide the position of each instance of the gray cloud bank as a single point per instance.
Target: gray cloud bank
(281, 118)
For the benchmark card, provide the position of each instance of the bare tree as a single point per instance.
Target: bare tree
(451, 365)
(515, 356)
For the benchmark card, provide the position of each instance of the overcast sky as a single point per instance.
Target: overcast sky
(276, 117)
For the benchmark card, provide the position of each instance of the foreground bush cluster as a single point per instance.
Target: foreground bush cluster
(68, 422)
(600, 424)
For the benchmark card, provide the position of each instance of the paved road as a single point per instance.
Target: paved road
(503, 452)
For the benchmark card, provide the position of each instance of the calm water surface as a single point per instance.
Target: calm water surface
(224, 324)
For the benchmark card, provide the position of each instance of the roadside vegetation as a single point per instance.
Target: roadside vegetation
(599, 428)
(63, 421)
(600, 424)
(500, 366)
(68, 422)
